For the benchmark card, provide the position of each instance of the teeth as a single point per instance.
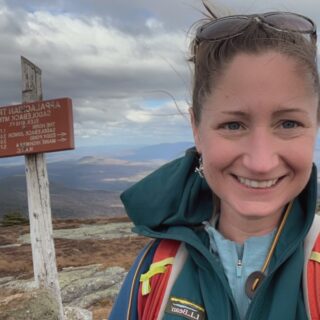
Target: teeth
(257, 184)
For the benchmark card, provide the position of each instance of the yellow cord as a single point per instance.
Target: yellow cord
(155, 268)
(273, 245)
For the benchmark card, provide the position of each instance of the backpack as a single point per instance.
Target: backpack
(311, 277)
(170, 255)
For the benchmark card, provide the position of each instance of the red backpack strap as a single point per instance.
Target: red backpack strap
(154, 282)
(313, 278)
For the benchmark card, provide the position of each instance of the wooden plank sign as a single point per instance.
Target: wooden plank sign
(36, 127)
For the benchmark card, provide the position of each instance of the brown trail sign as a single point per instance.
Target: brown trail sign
(35, 127)
(32, 128)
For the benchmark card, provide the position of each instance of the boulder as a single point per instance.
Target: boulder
(31, 305)
(81, 287)
(84, 286)
(37, 304)
(73, 313)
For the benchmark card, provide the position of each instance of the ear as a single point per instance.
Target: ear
(195, 130)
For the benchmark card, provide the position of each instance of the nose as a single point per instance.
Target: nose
(261, 154)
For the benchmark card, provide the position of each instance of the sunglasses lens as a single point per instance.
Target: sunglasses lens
(290, 22)
(222, 28)
(229, 27)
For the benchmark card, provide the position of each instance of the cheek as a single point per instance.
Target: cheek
(217, 156)
(300, 160)
(301, 154)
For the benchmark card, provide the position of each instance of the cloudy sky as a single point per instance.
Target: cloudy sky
(123, 62)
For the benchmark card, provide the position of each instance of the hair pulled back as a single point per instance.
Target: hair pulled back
(212, 57)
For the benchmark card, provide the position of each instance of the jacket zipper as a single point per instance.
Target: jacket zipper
(239, 268)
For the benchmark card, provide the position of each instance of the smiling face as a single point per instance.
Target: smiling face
(257, 133)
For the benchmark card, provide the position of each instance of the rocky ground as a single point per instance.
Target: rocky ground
(93, 257)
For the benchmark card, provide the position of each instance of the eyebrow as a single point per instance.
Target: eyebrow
(289, 110)
(276, 113)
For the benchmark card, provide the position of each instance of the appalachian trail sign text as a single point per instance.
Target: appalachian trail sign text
(36, 127)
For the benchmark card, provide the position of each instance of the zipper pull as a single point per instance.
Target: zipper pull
(239, 268)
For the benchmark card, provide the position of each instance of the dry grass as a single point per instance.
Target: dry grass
(10, 235)
(16, 261)
(101, 310)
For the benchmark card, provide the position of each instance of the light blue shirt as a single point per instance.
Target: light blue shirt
(239, 261)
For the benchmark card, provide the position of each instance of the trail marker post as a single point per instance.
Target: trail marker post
(30, 129)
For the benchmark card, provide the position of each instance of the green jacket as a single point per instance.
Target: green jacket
(173, 202)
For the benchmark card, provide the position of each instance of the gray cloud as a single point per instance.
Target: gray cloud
(122, 13)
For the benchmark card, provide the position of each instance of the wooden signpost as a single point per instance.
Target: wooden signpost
(32, 128)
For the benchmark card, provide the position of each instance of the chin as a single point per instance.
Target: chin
(259, 210)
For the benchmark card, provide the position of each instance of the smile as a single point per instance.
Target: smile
(257, 184)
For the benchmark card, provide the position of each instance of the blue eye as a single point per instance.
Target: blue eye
(289, 124)
(232, 126)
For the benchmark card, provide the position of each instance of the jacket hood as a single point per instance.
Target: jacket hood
(175, 195)
(172, 195)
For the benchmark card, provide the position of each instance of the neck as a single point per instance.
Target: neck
(239, 228)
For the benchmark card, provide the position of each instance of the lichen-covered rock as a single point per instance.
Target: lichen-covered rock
(6, 280)
(73, 313)
(84, 286)
(81, 287)
(98, 232)
(19, 285)
(32, 305)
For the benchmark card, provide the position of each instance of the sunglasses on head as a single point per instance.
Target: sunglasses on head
(232, 26)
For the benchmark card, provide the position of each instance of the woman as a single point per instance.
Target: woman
(242, 202)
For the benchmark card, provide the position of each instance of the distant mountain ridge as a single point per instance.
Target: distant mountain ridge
(164, 151)
(86, 185)
(65, 202)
